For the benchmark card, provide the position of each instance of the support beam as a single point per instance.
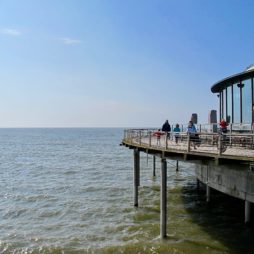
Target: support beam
(136, 175)
(177, 165)
(247, 211)
(163, 199)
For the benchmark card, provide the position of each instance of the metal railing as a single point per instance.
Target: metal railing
(238, 141)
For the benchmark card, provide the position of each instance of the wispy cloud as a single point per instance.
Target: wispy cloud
(10, 31)
(70, 41)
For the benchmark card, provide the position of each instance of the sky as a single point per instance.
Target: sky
(111, 63)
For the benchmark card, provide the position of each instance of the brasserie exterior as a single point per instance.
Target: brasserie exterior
(236, 97)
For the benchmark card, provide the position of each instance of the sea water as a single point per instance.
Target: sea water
(71, 191)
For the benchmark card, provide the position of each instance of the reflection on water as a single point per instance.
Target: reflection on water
(193, 225)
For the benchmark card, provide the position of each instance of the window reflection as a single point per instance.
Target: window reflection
(224, 104)
(236, 101)
(246, 102)
(229, 104)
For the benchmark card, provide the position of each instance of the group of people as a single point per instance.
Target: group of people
(191, 130)
(166, 128)
(176, 131)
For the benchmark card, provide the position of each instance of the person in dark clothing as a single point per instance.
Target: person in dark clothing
(166, 128)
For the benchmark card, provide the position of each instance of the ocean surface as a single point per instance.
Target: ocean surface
(71, 191)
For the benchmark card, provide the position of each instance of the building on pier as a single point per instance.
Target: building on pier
(236, 96)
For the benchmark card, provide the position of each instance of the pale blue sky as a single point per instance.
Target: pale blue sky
(113, 63)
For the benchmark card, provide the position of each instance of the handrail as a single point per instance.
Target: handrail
(205, 142)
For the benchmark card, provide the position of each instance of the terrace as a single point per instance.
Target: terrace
(237, 144)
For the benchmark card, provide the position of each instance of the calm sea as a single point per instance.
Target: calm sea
(70, 191)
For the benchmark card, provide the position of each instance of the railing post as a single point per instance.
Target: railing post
(230, 130)
(252, 131)
(150, 138)
(166, 141)
(139, 137)
(219, 144)
(212, 139)
(188, 142)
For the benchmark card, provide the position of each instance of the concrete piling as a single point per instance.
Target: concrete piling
(154, 165)
(208, 193)
(163, 199)
(247, 211)
(136, 175)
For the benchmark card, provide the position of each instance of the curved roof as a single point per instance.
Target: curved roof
(250, 67)
(222, 84)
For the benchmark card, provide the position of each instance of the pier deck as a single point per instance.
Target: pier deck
(210, 145)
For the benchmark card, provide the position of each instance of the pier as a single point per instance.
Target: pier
(223, 162)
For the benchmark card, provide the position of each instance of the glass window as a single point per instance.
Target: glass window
(229, 104)
(221, 96)
(236, 99)
(246, 101)
(224, 103)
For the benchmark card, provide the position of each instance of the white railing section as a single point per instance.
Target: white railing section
(238, 141)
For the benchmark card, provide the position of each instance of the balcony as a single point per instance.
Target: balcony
(236, 144)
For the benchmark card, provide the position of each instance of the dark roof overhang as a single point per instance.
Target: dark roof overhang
(222, 84)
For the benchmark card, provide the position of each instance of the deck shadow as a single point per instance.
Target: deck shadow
(222, 218)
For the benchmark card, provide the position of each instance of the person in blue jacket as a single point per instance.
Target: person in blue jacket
(177, 133)
(191, 130)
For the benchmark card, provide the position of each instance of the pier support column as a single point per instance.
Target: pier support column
(154, 165)
(177, 165)
(163, 199)
(136, 175)
(198, 184)
(208, 193)
(247, 211)
(208, 189)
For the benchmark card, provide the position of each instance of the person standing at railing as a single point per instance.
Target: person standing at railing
(158, 134)
(223, 126)
(166, 128)
(177, 133)
(191, 130)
